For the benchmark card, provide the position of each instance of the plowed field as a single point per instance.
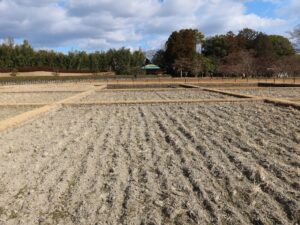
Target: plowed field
(226, 163)
(152, 95)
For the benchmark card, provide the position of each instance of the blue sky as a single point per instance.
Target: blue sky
(263, 9)
(65, 25)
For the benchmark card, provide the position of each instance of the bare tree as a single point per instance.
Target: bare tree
(296, 34)
(196, 67)
(182, 65)
(238, 63)
(289, 65)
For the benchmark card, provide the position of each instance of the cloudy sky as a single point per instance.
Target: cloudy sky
(65, 25)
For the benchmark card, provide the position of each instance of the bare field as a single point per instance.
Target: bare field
(227, 163)
(10, 111)
(34, 97)
(278, 92)
(68, 87)
(152, 95)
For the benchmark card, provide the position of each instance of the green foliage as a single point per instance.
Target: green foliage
(137, 59)
(249, 51)
(237, 53)
(23, 56)
(121, 61)
(264, 46)
(136, 71)
(159, 59)
(246, 38)
(216, 47)
(281, 45)
(207, 66)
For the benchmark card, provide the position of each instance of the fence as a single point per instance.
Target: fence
(165, 80)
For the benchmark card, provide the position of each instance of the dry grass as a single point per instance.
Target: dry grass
(50, 74)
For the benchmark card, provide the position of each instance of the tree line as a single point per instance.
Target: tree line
(186, 53)
(247, 53)
(24, 57)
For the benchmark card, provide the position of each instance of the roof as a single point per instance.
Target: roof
(151, 67)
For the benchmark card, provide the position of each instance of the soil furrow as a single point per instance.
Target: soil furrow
(218, 163)
(289, 206)
(264, 158)
(197, 188)
(248, 146)
(211, 163)
(215, 173)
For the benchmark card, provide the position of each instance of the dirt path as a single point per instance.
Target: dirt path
(278, 92)
(229, 163)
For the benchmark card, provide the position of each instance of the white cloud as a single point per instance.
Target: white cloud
(101, 24)
(291, 10)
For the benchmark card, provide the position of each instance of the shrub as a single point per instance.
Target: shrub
(135, 71)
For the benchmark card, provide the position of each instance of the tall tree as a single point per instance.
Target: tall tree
(182, 45)
(159, 59)
(137, 59)
(281, 45)
(247, 37)
(216, 47)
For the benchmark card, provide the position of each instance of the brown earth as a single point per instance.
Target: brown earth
(34, 97)
(71, 87)
(11, 111)
(226, 163)
(151, 95)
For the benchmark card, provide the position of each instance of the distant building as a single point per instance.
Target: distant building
(152, 69)
(297, 51)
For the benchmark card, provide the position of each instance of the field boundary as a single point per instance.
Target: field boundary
(275, 101)
(17, 120)
(143, 89)
(189, 86)
(230, 93)
(39, 91)
(150, 89)
(282, 102)
(23, 104)
(176, 101)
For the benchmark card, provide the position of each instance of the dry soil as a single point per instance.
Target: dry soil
(228, 163)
